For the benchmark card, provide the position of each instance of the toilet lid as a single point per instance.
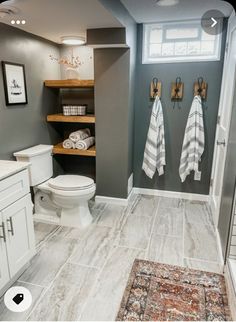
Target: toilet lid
(71, 182)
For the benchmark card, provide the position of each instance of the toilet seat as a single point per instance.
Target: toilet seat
(71, 183)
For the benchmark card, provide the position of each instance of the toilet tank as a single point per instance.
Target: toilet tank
(40, 158)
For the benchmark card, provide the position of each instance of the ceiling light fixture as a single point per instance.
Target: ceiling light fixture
(73, 40)
(166, 3)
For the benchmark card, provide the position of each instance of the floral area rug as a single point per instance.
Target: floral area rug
(160, 292)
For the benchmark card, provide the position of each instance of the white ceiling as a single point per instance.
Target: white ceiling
(52, 19)
(144, 11)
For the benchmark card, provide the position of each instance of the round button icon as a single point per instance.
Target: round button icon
(18, 299)
(212, 22)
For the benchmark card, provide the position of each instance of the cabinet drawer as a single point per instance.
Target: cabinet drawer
(13, 188)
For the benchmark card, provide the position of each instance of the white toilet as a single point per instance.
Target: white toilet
(62, 200)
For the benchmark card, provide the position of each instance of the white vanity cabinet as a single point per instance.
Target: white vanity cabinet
(4, 272)
(17, 242)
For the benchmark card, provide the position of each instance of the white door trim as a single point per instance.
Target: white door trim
(226, 84)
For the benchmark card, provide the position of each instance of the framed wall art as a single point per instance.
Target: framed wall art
(14, 83)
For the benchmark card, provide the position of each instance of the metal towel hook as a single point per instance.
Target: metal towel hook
(200, 83)
(177, 88)
(155, 86)
(201, 90)
(178, 83)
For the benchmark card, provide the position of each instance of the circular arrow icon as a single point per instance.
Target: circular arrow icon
(212, 22)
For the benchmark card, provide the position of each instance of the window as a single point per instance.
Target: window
(179, 42)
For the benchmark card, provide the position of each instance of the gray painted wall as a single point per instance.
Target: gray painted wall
(175, 119)
(103, 36)
(111, 109)
(23, 126)
(121, 13)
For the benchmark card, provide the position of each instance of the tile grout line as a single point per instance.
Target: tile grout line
(171, 236)
(128, 247)
(83, 265)
(208, 224)
(100, 214)
(201, 260)
(37, 285)
(113, 247)
(93, 287)
(40, 245)
(47, 288)
(152, 230)
(96, 281)
(126, 214)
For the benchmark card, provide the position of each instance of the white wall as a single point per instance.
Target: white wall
(86, 70)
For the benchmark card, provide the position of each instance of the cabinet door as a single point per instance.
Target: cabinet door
(20, 240)
(4, 272)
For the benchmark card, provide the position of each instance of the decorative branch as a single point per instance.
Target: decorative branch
(71, 61)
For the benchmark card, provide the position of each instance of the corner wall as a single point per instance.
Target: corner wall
(111, 108)
(114, 99)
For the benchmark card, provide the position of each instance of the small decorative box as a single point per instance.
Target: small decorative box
(74, 109)
(81, 109)
(66, 110)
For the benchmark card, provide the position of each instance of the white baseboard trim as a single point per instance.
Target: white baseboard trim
(220, 252)
(152, 192)
(214, 211)
(171, 194)
(130, 183)
(114, 201)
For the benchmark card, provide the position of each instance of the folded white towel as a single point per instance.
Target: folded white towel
(85, 144)
(79, 135)
(68, 144)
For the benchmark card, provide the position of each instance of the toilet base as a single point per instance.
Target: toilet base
(78, 217)
(48, 211)
(51, 220)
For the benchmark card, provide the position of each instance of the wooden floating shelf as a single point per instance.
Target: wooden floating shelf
(71, 119)
(58, 149)
(69, 83)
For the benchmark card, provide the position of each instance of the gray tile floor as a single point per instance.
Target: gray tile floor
(81, 274)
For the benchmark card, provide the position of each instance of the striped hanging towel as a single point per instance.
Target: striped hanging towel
(194, 141)
(154, 153)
